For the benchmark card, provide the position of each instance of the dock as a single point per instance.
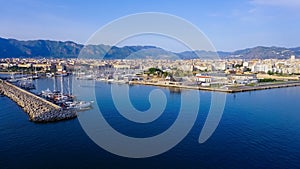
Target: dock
(38, 109)
(265, 87)
(231, 89)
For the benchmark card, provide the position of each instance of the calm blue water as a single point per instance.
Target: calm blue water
(259, 129)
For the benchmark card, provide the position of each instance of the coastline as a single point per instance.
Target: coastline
(8, 73)
(232, 89)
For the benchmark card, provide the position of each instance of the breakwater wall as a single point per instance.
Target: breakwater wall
(231, 89)
(38, 109)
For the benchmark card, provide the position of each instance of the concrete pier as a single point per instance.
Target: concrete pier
(38, 109)
(228, 90)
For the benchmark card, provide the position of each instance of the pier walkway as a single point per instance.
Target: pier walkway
(230, 89)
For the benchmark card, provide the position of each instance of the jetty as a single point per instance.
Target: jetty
(264, 86)
(229, 89)
(38, 109)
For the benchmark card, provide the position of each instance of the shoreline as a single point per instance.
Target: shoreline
(228, 90)
(8, 73)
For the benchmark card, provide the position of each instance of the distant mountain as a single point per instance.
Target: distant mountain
(202, 54)
(38, 48)
(11, 48)
(265, 53)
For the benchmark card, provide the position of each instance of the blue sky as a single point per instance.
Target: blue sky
(230, 25)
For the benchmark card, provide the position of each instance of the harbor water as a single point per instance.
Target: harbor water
(258, 129)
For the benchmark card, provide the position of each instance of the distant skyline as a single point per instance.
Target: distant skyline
(230, 25)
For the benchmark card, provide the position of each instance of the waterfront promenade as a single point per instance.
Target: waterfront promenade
(38, 109)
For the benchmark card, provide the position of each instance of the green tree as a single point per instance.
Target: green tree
(154, 70)
(270, 72)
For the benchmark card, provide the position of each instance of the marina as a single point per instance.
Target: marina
(62, 94)
(45, 105)
(38, 109)
(38, 101)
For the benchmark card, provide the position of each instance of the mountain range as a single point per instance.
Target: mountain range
(12, 48)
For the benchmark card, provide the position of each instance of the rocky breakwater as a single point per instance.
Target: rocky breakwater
(38, 109)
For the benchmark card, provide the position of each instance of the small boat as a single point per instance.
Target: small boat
(61, 74)
(86, 77)
(59, 98)
(49, 75)
(33, 77)
(79, 105)
(26, 84)
(110, 80)
(56, 96)
(48, 94)
(12, 79)
(100, 79)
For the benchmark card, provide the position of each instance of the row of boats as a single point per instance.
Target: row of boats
(66, 101)
(25, 82)
(58, 97)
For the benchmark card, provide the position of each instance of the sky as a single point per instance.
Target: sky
(229, 25)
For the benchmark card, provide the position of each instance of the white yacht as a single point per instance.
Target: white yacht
(79, 105)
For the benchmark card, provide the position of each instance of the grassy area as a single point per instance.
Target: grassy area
(251, 84)
(266, 80)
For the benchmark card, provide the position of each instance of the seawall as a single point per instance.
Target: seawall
(38, 109)
(228, 90)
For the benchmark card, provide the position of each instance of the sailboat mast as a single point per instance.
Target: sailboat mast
(69, 90)
(54, 84)
(36, 84)
(61, 86)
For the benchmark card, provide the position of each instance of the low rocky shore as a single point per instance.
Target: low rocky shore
(38, 109)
